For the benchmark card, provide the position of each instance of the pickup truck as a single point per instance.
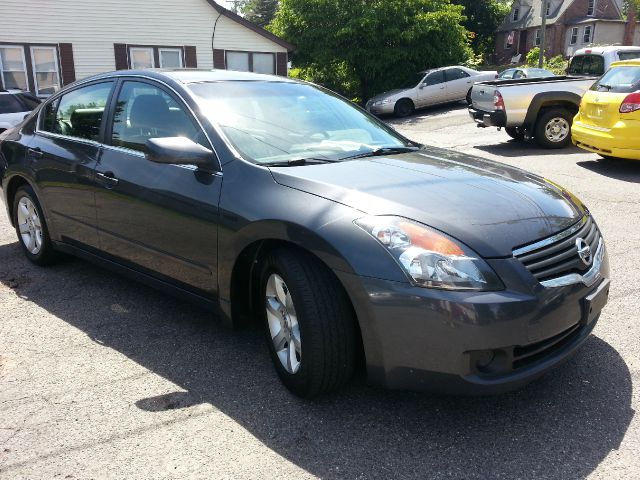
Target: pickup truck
(543, 108)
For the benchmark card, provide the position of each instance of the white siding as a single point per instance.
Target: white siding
(93, 26)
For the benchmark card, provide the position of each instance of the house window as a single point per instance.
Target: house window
(591, 8)
(508, 40)
(13, 67)
(574, 35)
(156, 57)
(170, 57)
(516, 13)
(141, 58)
(45, 70)
(538, 38)
(251, 62)
(586, 38)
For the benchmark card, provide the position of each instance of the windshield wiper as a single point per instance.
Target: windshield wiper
(380, 151)
(603, 85)
(298, 162)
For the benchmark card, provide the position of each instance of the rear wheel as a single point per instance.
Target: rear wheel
(309, 324)
(515, 133)
(403, 108)
(31, 227)
(553, 129)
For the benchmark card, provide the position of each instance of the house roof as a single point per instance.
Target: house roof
(531, 14)
(250, 25)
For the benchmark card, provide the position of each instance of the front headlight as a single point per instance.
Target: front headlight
(379, 103)
(429, 257)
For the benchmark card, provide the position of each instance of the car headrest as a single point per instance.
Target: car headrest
(149, 111)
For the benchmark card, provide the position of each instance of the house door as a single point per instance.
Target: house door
(522, 44)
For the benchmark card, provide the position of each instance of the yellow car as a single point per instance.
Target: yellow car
(608, 122)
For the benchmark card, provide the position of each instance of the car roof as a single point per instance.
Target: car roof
(627, 63)
(611, 48)
(443, 68)
(191, 75)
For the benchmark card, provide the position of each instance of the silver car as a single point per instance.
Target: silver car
(430, 87)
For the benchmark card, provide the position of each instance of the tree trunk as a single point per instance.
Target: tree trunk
(630, 28)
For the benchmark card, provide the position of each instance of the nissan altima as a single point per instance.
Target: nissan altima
(266, 198)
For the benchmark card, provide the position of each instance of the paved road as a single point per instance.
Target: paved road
(102, 377)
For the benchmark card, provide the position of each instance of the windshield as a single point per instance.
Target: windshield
(413, 80)
(270, 122)
(619, 80)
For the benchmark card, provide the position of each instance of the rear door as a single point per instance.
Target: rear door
(433, 90)
(64, 152)
(158, 218)
(458, 84)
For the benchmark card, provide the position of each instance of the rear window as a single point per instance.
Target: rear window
(588, 65)
(10, 104)
(628, 55)
(29, 100)
(619, 80)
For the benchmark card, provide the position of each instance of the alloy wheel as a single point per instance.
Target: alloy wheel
(557, 129)
(29, 225)
(283, 323)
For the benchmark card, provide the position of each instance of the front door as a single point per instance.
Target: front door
(433, 90)
(159, 218)
(66, 150)
(522, 44)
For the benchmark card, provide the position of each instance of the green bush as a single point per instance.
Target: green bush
(555, 64)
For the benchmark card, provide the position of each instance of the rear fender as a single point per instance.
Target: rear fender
(568, 100)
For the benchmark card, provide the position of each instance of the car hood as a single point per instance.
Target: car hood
(388, 94)
(491, 207)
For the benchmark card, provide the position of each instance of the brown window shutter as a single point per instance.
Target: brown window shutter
(281, 64)
(218, 59)
(122, 59)
(67, 65)
(190, 59)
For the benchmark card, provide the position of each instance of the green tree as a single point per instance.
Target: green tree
(483, 17)
(363, 47)
(260, 12)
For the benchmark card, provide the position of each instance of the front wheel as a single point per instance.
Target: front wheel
(31, 227)
(309, 324)
(404, 108)
(553, 129)
(468, 97)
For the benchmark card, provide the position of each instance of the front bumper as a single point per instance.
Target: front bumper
(496, 118)
(622, 140)
(471, 342)
(384, 109)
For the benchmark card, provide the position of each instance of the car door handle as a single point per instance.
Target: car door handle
(35, 152)
(107, 178)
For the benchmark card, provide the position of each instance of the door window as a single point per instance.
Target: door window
(78, 113)
(144, 111)
(455, 74)
(435, 78)
(507, 74)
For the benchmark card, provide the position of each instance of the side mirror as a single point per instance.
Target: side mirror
(422, 85)
(178, 151)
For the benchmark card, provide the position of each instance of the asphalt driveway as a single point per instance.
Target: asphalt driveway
(101, 377)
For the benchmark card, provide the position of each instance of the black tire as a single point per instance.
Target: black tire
(46, 254)
(515, 133)
(326, 323)
(544, 120)
(469, 97)
(404, 108)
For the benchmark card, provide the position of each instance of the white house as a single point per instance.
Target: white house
(45, 44)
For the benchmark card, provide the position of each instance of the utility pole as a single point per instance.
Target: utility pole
(543, 31)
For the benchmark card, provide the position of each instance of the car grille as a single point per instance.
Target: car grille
(524, 356)
(558, 255)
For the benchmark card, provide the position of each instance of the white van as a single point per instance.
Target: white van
(594, 61)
